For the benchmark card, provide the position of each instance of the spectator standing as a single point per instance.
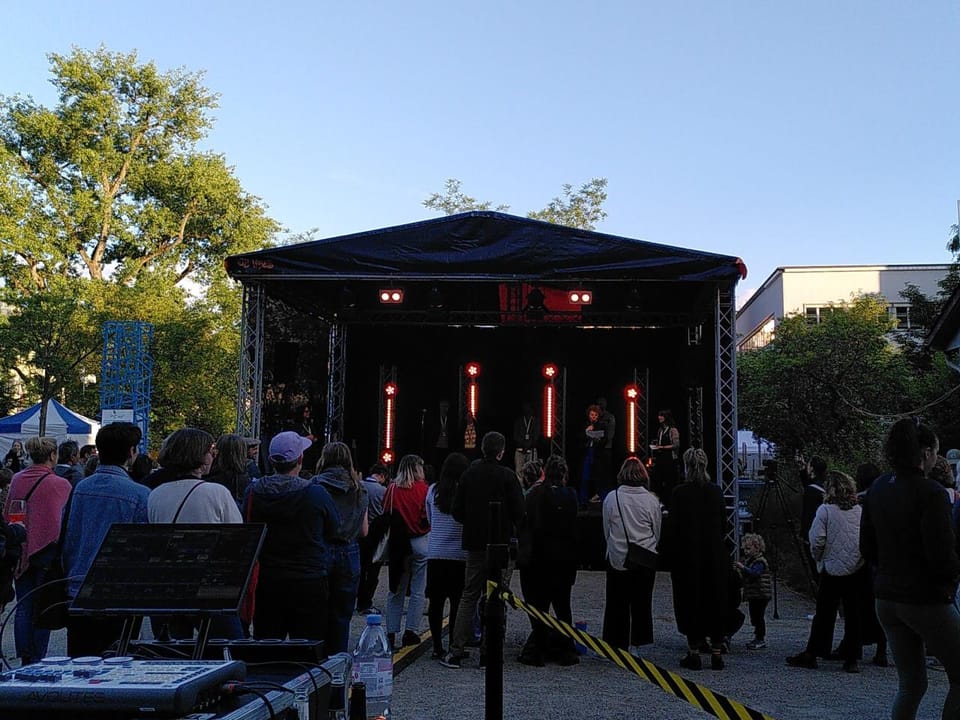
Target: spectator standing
(834, 543)
(485, 481)
(814, 477)
(292, 593)
(757, 586)
(547, 560)
(906, 533)
(337, 476)
(377, 524)
(446, 558)
(230, 466)
(253, 459)
(700, 564)
(68, 462)
(631, 514)
(39, 496)
(405, 502)
(188, 454)
(16, 458)
(106, 497)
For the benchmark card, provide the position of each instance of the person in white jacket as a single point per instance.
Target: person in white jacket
(835, 545)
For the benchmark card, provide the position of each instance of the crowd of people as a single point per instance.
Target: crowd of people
(882, 546)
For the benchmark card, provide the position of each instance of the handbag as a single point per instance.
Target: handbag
(382, 553)
(637, 556)
(50, 599)
(248, 604)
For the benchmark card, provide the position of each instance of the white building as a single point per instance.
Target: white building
(811, 289)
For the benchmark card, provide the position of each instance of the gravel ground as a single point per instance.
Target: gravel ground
(596, 688)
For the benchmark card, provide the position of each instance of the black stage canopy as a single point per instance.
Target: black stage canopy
(485, 246)
(655, 310)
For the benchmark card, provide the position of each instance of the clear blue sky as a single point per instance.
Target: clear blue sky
(818, 132)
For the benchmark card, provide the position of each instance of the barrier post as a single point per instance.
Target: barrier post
(494, 617)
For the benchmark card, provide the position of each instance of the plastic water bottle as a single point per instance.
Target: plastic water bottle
(373, 666)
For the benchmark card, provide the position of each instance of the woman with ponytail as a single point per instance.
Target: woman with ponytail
(695, 549)
(907, 535)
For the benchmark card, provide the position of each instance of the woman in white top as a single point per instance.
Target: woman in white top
(835, 545)
(187, 455)
(631, 514)
(446, 558)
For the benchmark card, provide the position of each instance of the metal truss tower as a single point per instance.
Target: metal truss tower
(726, 403)
(336, 381)
(250, 391)
(127, 372)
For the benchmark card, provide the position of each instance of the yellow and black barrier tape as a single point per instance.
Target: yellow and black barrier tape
(720, 706)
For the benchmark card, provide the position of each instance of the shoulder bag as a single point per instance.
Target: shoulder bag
(637, 555)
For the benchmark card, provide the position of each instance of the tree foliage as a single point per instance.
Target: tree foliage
(581, 208)
(106, 207)
(827, 388)
(108, 182)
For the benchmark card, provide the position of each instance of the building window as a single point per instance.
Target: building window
(816, 313)
(901, 313)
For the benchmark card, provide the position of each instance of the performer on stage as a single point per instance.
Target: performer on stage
(526, 436)
(603, 470)
(666, 453)
(440, 438)
(593, 438)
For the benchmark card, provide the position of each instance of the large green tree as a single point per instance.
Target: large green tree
(109, 189)
(828, 388)
(582, 208)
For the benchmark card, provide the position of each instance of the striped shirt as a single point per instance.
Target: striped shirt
(445, 541)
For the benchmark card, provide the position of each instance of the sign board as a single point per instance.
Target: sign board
(116, 415)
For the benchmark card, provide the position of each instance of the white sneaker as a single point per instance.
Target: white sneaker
(757, 644)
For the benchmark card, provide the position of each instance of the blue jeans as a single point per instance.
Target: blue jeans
(31, 641)
(909, 628)
(344, 580)
(417, 577)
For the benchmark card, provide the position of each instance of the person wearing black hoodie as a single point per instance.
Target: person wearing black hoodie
(302, 521)
(337, 475)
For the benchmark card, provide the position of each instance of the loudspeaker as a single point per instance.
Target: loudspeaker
(285, 357)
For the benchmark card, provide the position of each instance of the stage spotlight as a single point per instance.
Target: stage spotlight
(631, 393)
(389, 415)
(580, 297)
(386, 457)
(472, 370)
(437, 301)
(391, 296)
(535, 303)
(549, 371)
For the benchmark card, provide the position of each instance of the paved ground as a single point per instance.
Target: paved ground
(599, 689)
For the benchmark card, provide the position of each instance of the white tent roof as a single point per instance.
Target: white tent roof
(62, 424)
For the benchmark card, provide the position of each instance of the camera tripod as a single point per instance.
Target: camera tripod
(773, 486)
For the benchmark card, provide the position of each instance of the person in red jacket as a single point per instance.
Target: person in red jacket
(36, 499)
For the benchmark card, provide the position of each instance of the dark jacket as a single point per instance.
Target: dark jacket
(351, 502)
(548, 532)
(907, 535)
(73, 473)
(487, 481)
(301, 521)
(693, 540)
(811, 500)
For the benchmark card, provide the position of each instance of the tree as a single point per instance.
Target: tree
(50, 339)
(580, 209)
(105, 199)
(828, 388)
(108, 183)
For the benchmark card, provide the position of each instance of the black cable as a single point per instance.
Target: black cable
(308, 667)
(240, 689)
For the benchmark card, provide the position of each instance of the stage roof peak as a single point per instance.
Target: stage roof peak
(484, 246)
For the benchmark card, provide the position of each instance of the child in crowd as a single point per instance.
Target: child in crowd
(756, 586)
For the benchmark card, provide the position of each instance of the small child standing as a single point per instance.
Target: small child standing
(756, 586)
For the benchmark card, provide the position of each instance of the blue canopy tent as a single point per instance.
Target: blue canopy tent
(62, 424)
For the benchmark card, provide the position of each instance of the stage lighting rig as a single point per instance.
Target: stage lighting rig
(580, 297)
(391, 296)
